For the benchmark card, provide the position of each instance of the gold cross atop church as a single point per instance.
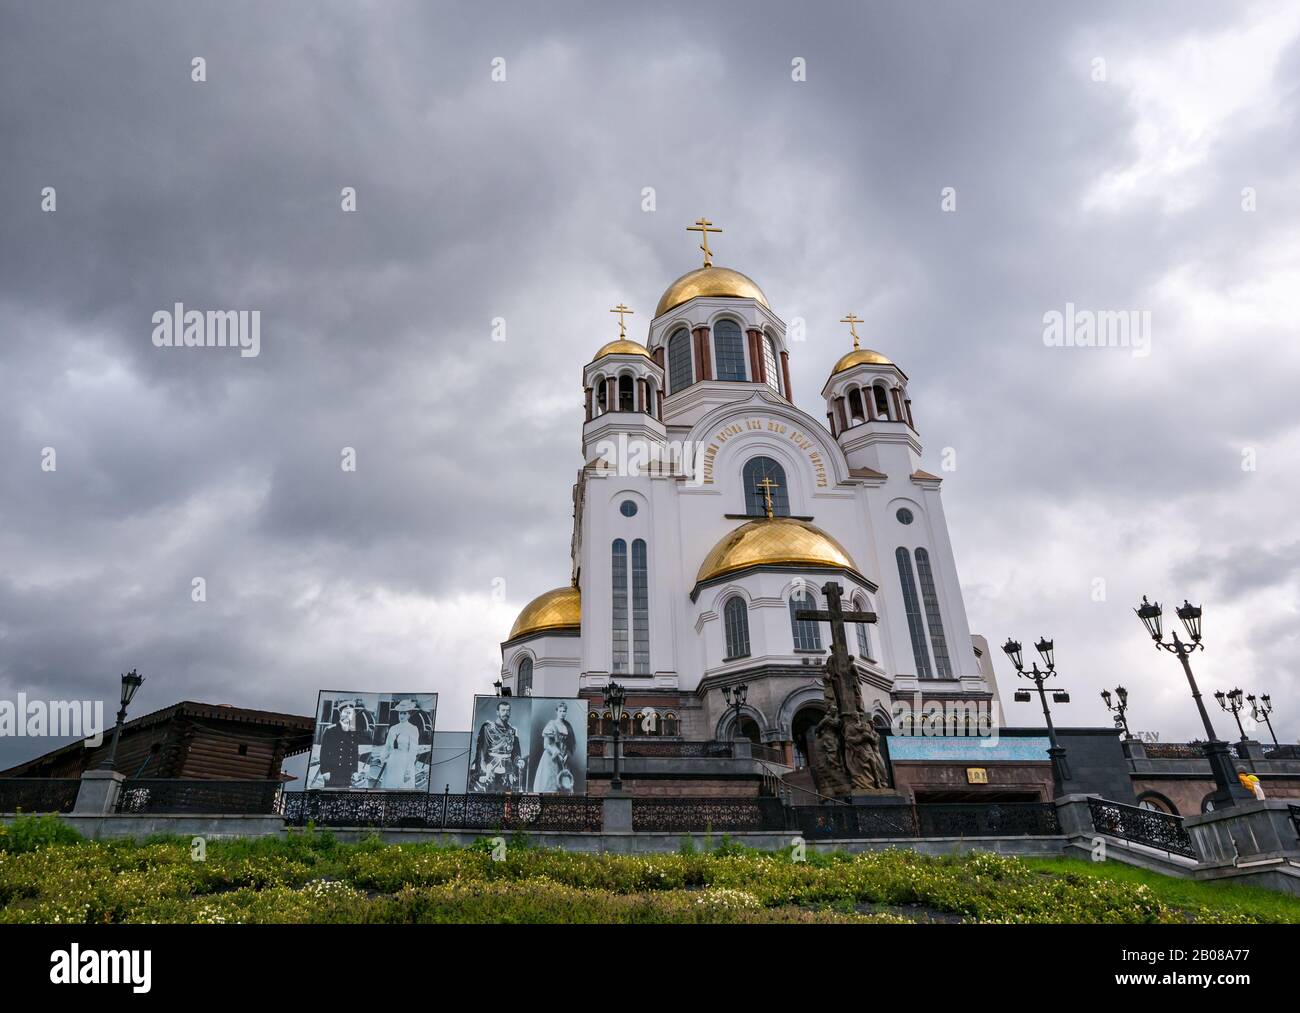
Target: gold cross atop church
(853, 322)
(767, 485)
(620, 309)
(703, 226)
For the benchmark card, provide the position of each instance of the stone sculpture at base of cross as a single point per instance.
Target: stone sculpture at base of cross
(848, 761)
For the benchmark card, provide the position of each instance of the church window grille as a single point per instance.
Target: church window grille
(730, 350)
(618, 569)
(915, 624)
(807, 634)
(938, 641)
(735, 616)
(524, 684)
(640, 609)
(769, 364)
(755, 471)
(680, 374)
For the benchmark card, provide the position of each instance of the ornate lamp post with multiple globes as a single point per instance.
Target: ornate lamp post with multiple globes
(1232, 703)
(1045, 647)
(1120, 708)
(130, 683)
(736, 700)
(1260, 710)
(1228, 790)
(614, 695)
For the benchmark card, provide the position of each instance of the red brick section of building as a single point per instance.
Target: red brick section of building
(188, 740)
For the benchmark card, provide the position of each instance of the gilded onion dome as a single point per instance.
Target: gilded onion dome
(553, 611)
(859, 357)
(622, 346)
(773, 541)
(709, 281)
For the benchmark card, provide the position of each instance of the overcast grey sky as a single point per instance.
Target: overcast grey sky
(522, 199)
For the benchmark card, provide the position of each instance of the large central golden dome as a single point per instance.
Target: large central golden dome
(771, 541)
(556, 610)
(709, 281)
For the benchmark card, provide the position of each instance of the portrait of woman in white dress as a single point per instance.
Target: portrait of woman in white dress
(553, 773)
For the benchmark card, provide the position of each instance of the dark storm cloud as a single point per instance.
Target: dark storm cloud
(522, 200)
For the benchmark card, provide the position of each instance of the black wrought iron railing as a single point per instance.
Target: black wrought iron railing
(1282, 753)
(38, 794)
(1142, 826)
(708, 814)
(991, 819)
(210, 797)
(712, 749)
(421, 811)
(1174, 750)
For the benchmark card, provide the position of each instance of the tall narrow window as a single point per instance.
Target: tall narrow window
(640, 610)
(618, 570)
(602, 396)
(864, 635)
(856, 411)
(730, 350)
(680, 373)
(938, 641)
(882, 401)
(524, 684)
(625, 402)
(807, 634)
(735, 618)
(915, 624)
(757, 470)
(769, 365)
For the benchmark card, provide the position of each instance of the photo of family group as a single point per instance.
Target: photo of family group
(372, 741)
(528, 744)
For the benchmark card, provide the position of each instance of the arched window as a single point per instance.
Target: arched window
(864, 635)
(807, 634)
(769, 364)
(856, 412)
(602, 396)
(626, 402)
(618, 571)
(640, 609)
(593, 723)
(735, 620)
(670, 724)
(755, 471)
(651, 400)
(915, 624)
(680, 373)
(882, 401)
(938, 641)
(524, 682)
(729, 350)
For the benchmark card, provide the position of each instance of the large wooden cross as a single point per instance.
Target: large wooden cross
(835, 615)
(703, 226)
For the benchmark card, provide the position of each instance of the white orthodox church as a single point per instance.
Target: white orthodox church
(711, 509)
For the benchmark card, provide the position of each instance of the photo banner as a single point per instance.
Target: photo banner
(528, 745)
(372, 741)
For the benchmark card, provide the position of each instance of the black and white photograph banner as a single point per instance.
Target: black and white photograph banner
(376, 741)
(528, 744)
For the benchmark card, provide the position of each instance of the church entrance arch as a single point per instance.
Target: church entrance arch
(803, 731)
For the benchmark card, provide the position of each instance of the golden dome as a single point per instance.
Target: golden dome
(860, 357)
(622, 346)
(774, 540)
(709, 281)
(560, 609)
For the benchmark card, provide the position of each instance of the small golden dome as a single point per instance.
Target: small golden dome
(709, 281)
(860, 357)
(622, 346)
(560, 609)
(774, 540)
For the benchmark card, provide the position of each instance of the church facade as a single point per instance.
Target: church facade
(711, 510)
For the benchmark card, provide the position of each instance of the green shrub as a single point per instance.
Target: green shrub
(28, 833)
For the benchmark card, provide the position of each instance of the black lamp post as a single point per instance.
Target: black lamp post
(1233, 704)
(1260, 710)
(1228, 790)
(1045, 647)
(130, 683)
(614, 695)
(736, 700)
(1120, 708)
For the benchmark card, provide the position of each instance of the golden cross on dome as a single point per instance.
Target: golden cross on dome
(767, 485)
(620, 309)
(703, 226)
(853, 321)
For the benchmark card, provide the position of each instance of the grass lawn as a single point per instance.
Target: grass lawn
(48, 874)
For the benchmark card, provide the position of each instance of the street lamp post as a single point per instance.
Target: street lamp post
(736, 700)
(614, 695)
(1232, 703)
(130, 683)
(1120, 708)
(1260, 710)
(1045, 647)
(1228, 790)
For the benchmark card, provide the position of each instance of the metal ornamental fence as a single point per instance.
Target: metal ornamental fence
(997, 819)
(418, 810)
(1142, 826)
(213, 797)
(38, 794)
(707, 814)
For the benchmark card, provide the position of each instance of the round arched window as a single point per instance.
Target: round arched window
(904, 515)
(627, 508)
